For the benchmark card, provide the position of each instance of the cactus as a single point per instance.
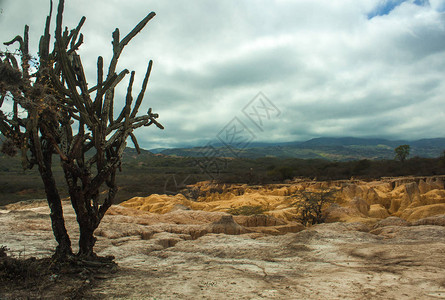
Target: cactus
(64, 116)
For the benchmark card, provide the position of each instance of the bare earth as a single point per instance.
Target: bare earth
(170, 256)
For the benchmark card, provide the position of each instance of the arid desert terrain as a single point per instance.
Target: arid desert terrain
(382, 240)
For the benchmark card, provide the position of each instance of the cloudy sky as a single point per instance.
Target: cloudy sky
(299, 69)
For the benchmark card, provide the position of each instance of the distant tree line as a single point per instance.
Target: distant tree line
(269, 170)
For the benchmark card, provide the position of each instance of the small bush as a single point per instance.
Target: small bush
(311, 205)
(192, 193)
(12, 268)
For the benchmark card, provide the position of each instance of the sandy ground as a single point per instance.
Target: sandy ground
(327, 261)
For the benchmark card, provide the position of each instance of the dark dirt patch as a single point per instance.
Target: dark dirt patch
(45, 279)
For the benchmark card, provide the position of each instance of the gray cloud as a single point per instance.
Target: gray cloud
(329, 68)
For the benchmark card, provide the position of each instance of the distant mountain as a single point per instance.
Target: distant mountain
(349, 141)
(335, 149)
(437, 142)
(157, 150)
(133, 151)
(338, 149)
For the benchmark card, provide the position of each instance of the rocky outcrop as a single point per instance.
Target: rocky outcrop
(392, 221)
(420, 212)
(258, 221)
(436, 220)
(378, 211)
(189, 224)
(226, 225)
(410, 198)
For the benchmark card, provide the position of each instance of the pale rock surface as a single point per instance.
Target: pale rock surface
(327, 261)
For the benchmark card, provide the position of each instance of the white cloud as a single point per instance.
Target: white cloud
(329, 69)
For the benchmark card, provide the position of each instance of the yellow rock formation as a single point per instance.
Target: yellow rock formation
(411, 198)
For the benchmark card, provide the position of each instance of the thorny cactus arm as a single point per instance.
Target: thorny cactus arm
(23, 50)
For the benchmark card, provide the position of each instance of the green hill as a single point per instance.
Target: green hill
(335, 149)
